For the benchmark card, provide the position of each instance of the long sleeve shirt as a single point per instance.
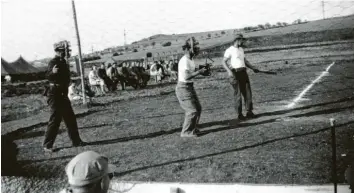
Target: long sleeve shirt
(102, 73)
(62, 77)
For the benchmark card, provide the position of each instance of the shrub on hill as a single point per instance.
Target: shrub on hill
(166, 44)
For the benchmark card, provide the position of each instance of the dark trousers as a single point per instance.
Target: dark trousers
(60, 108)
(241, 85)
(121, 80)
(188, 100)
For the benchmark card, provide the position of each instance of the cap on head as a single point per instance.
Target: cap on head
(61, 45)
(190, 42)
(239, 37)
(87, 168)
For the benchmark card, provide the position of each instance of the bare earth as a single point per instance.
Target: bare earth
(139, 130)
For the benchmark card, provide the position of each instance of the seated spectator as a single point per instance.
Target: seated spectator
(113, 76)
(120, 75)
(105, 81)
(158, 71)
(95, 81)
(89, 172)
(75, 91)
(8, 78)
(172, 70)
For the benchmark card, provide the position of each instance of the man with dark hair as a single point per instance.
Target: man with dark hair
(102, 74)
(185, 92)
(238, 76)
(89, 172)
(112, 74)
(120, 75)
(58, 74)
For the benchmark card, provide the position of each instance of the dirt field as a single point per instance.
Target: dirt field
(139, 130)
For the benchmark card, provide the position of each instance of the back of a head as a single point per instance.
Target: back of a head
(87, 173)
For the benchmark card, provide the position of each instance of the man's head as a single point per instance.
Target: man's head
(89, 172)
(62, 49)
(239, 41)
(191, 47)
(94, 68)
(103, 66)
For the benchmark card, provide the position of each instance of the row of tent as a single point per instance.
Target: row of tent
(18, 67)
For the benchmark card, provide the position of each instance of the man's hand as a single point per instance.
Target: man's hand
(202, 70)
(230, 73)
(55, 69)
(255, 70)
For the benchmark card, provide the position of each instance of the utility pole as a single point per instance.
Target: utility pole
(92, 49)
(125, 40)
(80, 56)
(323, 10)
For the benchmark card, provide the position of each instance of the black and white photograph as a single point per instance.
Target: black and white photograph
(177, 96)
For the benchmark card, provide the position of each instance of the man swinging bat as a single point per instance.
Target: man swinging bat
(238, 76)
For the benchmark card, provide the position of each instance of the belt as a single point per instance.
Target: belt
(53, 84)
(238, 69)
(185, 83)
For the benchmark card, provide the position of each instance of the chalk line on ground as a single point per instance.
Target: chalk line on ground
(298, 98)
(163, 187)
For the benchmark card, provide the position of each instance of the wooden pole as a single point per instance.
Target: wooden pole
(80, 56)
(334, 154)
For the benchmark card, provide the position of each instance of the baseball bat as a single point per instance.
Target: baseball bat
(267, 72)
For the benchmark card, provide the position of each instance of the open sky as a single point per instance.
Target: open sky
(30, 27)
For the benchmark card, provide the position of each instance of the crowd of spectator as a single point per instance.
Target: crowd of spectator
(111, 77)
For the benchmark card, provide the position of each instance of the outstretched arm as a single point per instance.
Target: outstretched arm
(249, 65)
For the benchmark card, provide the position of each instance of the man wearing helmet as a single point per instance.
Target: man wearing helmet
(58, 74)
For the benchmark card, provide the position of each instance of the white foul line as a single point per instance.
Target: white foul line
(292, 104)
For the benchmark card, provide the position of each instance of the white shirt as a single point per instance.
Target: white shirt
(185, 64)
(72, 92)
(93, 78)
(236, 56)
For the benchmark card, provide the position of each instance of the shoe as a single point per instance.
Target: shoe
(241, 118)
(197, 131)
(191, 135)
(250, 115)
(80, 143)
(46, 149)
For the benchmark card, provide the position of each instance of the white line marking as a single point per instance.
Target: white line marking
(292, 104)
(148, 187)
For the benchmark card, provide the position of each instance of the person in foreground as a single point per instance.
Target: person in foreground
(238, 76)
(185, 92)
(58, 74)
(89, 172)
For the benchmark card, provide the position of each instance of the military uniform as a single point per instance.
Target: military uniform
(59, 103)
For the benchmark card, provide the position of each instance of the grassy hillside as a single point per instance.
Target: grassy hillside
(313, 26)
(332, 29)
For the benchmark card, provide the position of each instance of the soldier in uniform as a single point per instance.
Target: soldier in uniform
(58, 74)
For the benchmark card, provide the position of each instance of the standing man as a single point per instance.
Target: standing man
(238, 76)
(185, 92)
(58, 74)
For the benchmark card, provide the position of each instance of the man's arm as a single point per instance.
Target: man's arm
(249, 65)
(226, 66)
(50, 74)
(190, 75)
